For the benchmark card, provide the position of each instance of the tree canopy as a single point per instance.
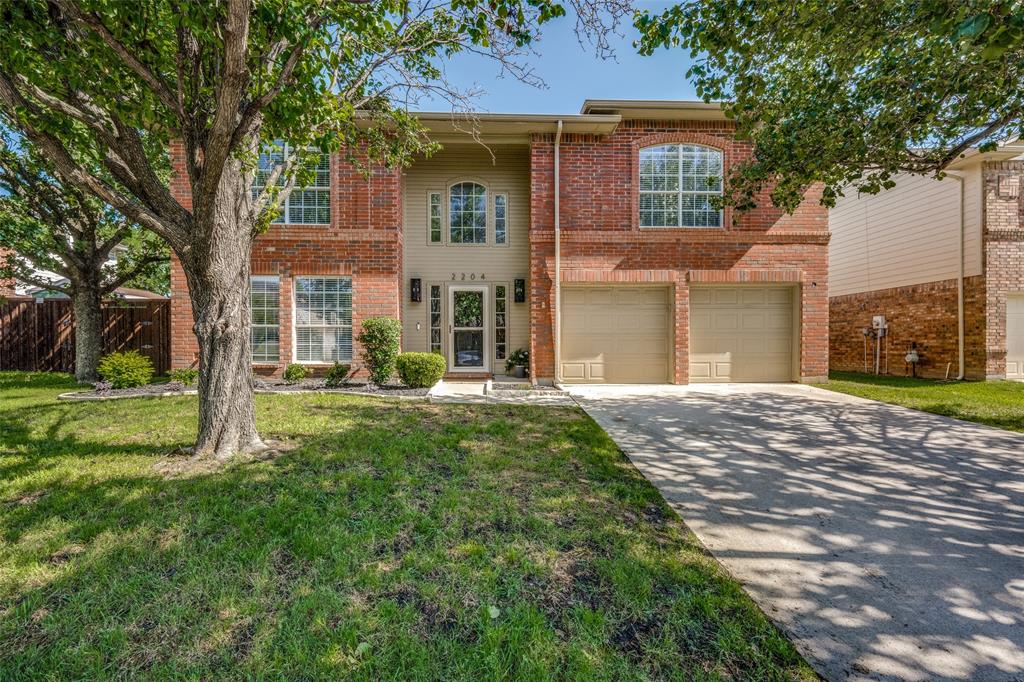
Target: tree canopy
(850, 92)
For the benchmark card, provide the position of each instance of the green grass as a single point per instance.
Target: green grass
(996, 403)
(397, 541)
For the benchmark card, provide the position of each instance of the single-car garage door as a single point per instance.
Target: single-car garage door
(741, 333)
(1015, 337)
(618, 335)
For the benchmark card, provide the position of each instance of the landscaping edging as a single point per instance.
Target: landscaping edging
(86, 396)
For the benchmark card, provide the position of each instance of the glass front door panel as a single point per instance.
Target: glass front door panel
(469, 309)
(469, 348)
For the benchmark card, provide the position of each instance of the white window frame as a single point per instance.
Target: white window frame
(440, 217)
(680, 192)
(253, 326)
(506, 311)
(285, 216)
(296, 325)
(494, 213)
(488, 229)
(439, 347)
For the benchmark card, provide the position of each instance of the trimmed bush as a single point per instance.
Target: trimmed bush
(381, 338)
(420, 370)
(293, 373)
(126, 369)
(186, 376)
(337, 375)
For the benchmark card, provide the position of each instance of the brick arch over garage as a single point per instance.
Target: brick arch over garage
(729, 157)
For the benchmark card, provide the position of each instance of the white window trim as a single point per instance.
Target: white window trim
(441, 312)
(285, 207)
(277, 280)
(494, 218)
(488, 223)
(442, 194)
(680, 192)
(500, 362)
(295, 317)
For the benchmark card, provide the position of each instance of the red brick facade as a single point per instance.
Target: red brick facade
(601, 240)
(927, 313)
(363, 241)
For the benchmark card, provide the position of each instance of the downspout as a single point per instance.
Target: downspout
(558, 258)
(960, 285)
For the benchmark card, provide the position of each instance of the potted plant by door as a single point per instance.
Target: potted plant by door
(518, 363)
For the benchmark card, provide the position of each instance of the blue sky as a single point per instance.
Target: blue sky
(572, 74)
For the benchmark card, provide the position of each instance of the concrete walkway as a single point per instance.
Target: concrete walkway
(888, 543)
(478, 392)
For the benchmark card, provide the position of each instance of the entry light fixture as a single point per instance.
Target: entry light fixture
(415, 290)
(520, 291)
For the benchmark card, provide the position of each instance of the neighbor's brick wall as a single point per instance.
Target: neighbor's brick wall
(364, 241)
(601, 240)
(925, 314)
(1004, 254)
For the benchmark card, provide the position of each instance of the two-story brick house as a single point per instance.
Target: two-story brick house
(616, 269)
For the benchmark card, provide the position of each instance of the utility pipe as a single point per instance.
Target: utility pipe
(558, 259)
(960, 283)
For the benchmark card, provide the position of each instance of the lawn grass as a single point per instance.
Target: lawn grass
(996, 403)
(399, 540)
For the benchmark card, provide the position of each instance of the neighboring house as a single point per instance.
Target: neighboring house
(628, 274)
(905, 253)
(122, 293)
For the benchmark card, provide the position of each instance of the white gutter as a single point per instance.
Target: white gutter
(960, 284)
(558, 259)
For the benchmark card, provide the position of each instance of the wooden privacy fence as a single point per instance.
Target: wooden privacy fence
(40, 336)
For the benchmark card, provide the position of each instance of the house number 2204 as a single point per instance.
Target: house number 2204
(463, 276)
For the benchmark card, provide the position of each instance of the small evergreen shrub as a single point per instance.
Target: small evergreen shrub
(420, 370)
(186, 376)
(337, 375)
(380, 338)
(126, 369)
(293, 373)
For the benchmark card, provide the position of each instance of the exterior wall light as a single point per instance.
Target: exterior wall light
(520, 291)
(415, 290)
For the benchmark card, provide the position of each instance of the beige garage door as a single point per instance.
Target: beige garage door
(741, 334)
(1015, 337)
(617, 335)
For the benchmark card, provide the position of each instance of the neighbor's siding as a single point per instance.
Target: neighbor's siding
(507, 171)
(903, 236)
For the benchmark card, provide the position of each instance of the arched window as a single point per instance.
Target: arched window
(467, 213)
(678, 184)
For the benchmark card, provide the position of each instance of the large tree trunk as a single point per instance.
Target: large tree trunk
(88, 302)
(217, 270)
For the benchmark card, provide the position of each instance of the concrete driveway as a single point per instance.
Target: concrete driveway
(888, 543)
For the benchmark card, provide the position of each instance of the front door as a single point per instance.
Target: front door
(467, 329)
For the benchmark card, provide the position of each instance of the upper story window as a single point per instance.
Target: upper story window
(467, 213)
(678, 184)
(309, 205)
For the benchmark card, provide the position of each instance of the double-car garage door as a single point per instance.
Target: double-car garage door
(623, 334)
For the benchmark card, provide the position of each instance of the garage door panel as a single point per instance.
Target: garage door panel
(1015, 337)
(741, 334)
(616, 334)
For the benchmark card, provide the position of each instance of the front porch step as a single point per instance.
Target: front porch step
(467, 376)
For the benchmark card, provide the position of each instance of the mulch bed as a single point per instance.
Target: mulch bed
(261, 385)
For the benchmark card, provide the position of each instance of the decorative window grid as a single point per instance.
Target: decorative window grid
(500, 320)
(265, 329)
(678, 186)
(500, 218)
(434, 217)
(309, 205)
(467, 213)
(323, 319)
(435, 318)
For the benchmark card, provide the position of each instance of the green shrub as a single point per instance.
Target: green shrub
(186, 376)
(126, 369)
(420, 370)
(293, 373)
(381, 338)
(337, 375)
(520, 356)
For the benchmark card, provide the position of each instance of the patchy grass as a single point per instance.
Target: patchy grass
(397, 541)
(996, 403)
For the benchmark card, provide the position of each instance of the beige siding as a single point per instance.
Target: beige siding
(906, 235)
(506, 172)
